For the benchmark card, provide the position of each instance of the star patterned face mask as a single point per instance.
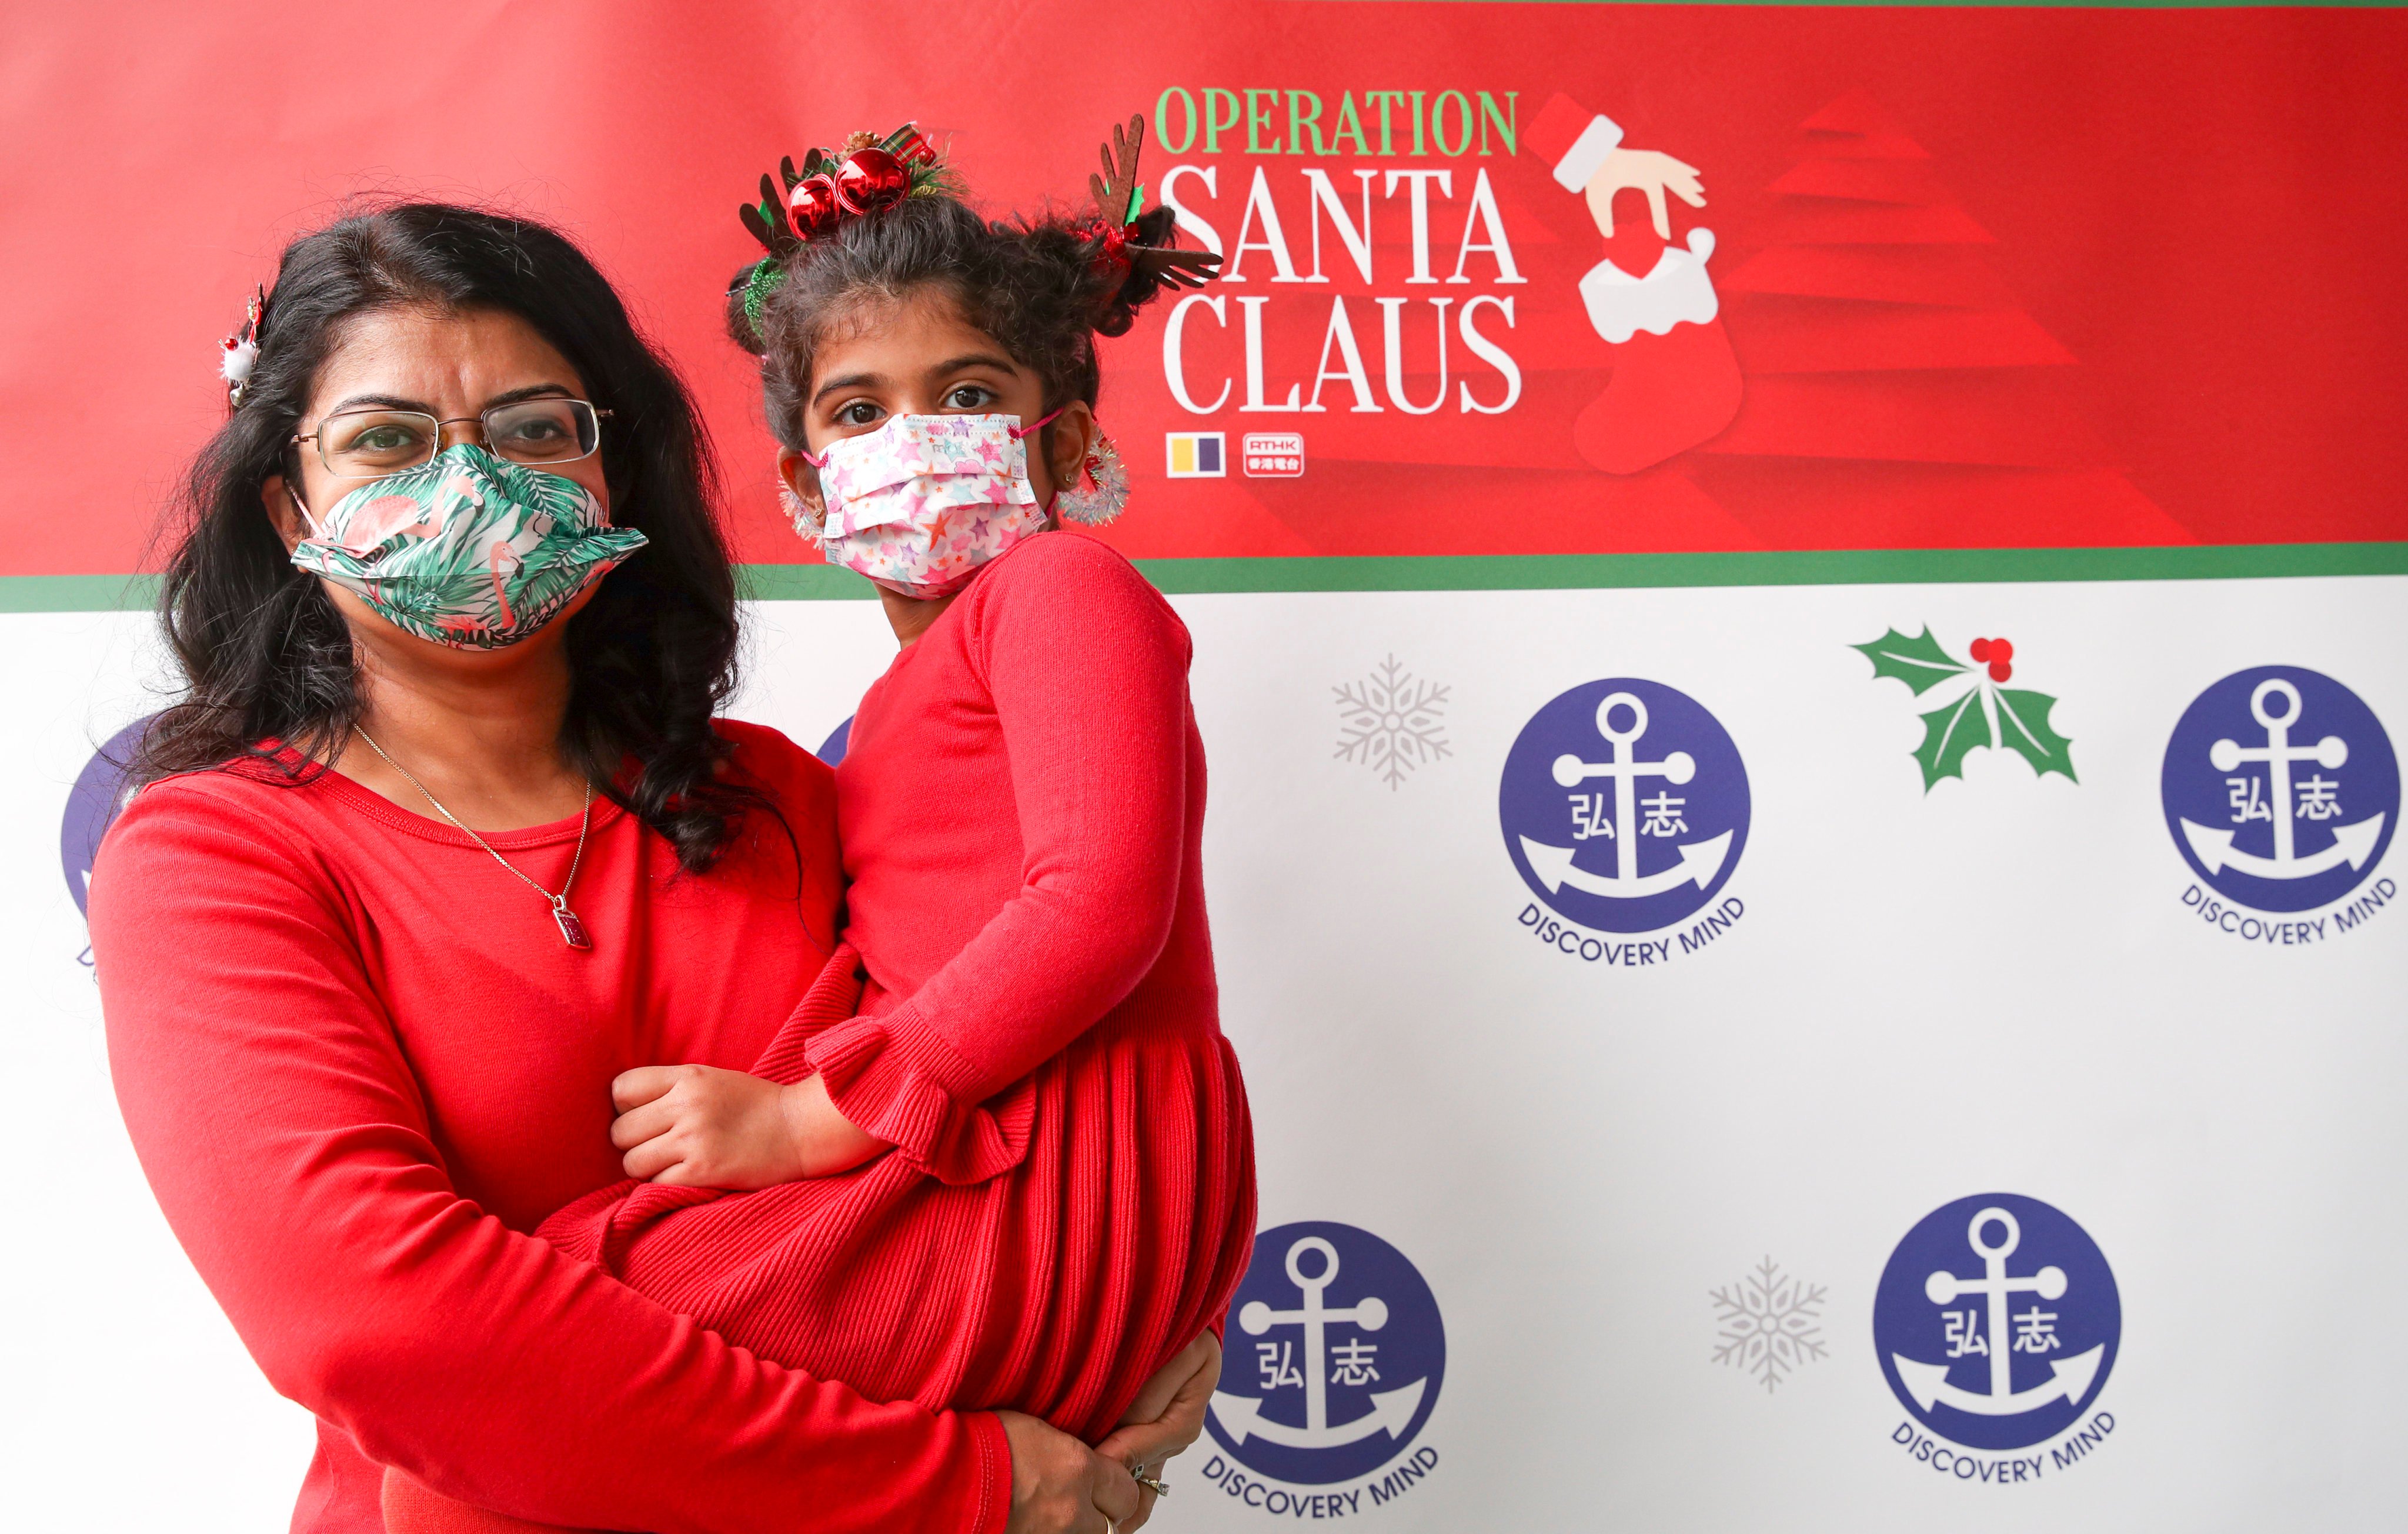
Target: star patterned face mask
(468, 549)
(922, 502)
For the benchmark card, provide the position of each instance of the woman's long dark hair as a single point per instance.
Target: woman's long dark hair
(266, 656)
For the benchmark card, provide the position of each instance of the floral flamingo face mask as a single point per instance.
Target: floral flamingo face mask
(922, 502)
(468, 549)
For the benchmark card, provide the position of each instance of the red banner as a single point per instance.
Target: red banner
(1927, 278)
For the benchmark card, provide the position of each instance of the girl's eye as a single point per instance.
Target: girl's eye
(861, 413)
(969, 396)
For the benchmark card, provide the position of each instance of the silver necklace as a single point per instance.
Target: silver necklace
(572, 931)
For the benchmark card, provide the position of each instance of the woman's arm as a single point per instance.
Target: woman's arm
(285, 1138)
(1087, 667)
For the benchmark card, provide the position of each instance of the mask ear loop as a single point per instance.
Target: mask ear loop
(1041, 423)
(809, 526)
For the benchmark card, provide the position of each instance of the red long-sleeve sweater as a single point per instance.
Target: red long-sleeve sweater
(359, 1064)
(1071, 1198)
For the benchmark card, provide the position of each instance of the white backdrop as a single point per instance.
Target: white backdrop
(1993, 987)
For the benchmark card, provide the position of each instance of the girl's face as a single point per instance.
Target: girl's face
(917, 356)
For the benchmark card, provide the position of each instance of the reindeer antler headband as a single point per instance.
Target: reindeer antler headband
(1141, 246)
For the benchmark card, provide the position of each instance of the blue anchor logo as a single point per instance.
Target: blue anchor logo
(1624, 805)
(2281, 789)
(1335, 1359)
(2011, 1353)
(2070, 1378)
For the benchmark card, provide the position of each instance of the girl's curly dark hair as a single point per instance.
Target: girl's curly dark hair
(266, 655)
(1042, 288)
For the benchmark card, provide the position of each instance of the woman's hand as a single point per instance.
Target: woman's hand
(700, 1126)
(1061, 1486)
(1167, 1418)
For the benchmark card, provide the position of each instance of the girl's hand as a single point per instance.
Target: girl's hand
(700, 1126)
(1061, 1486)
(1167, 1419)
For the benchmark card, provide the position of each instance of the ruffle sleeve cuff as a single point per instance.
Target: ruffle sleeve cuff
(892, 1079)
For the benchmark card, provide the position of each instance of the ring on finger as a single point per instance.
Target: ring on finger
(1150, 1482)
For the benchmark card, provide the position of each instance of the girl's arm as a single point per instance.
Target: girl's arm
(285, 1138)
(1087, 667)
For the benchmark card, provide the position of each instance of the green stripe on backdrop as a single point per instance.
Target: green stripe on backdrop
(1557, 572)
(1814, 567)
(78, 593)
(1508, 572)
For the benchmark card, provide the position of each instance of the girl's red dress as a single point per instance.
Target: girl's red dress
(1070, 1198)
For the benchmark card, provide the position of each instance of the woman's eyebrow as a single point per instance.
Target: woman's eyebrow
(378, 402)
(398, 402)
(533, 391)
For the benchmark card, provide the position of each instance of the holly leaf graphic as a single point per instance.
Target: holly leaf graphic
(2023, 719)
(1921, 663)
(1948, 734)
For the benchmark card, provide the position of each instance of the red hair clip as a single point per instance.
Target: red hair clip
(238, 353)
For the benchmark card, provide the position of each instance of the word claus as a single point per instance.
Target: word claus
(1414, 195)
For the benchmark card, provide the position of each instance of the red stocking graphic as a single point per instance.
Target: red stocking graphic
(1668, 393)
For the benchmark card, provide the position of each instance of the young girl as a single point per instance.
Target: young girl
(1001, 1151)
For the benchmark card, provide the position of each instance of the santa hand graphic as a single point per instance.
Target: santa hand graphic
(1680, 384)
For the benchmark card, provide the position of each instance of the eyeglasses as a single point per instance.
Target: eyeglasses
(371, 443)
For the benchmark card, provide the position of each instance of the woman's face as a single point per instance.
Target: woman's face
(453, 365)
(918, 356)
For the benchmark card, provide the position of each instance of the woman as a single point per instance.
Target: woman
(443, 838)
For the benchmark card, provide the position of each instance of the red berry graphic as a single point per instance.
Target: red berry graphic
(2000, 669)
(2001, 650)
(1980, 648)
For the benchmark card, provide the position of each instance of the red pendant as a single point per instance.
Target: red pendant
(572, 931)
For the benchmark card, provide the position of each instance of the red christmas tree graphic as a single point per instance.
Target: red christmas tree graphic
(1897, 395)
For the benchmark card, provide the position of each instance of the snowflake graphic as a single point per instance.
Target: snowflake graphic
(1391, 722)
(1771, 1324)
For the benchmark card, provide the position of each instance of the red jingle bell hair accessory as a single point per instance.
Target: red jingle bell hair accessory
(868, 174)
(875, 173)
